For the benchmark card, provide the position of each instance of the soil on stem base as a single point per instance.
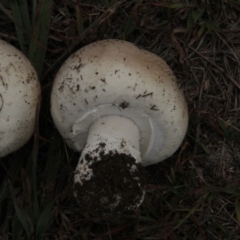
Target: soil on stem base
(116, 186)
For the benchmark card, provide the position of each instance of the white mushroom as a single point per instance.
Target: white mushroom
(19, 95)
(111, 98)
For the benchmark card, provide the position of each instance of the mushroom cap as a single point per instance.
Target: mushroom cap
(116, 77)
(19, 95)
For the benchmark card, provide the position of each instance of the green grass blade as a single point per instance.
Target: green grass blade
(44, 220)
(190, 23)
(22, 216)
(34, 9)
(6, 12)
(227, 190)
(17, 229)
(130, 26)
(53, 160)
(34, 162)
(234, 3)
(20, 18)
(38, 45)
(204, 147)
(191, 212)
(237, 209)
(212, 26)
(175, 5)
(13, 171)
(79, 19)
(224, 128)
(23, 7)
(201, 30)
(197, 14)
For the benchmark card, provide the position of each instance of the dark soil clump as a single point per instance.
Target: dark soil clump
(116, 186)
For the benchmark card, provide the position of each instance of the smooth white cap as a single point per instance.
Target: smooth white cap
(19, 95)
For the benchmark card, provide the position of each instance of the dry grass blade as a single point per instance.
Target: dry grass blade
(177, 45)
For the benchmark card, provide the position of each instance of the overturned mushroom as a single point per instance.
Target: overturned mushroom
(19, 95)
(122, 108)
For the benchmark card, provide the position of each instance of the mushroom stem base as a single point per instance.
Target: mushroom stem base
(115, 187)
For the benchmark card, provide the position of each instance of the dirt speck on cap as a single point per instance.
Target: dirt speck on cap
(116, 186)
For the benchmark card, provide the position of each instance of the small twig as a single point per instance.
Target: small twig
(233, 81)
(205, 58)
(199, 105)
(230, 48)
(176, 43)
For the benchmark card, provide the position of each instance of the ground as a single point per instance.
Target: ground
(194, 194)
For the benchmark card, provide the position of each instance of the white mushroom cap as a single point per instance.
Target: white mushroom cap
(19, 95)
(116, 77)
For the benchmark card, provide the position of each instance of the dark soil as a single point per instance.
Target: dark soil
(100, 196)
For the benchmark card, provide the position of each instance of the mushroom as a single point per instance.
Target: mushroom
(122, 108)
(19, 95)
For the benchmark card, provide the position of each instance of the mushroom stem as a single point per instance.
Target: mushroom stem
(119, 133)
(113, 143)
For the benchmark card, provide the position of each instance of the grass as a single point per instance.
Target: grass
(195, 194)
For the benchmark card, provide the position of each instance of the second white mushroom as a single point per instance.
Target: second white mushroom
(19, 95)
